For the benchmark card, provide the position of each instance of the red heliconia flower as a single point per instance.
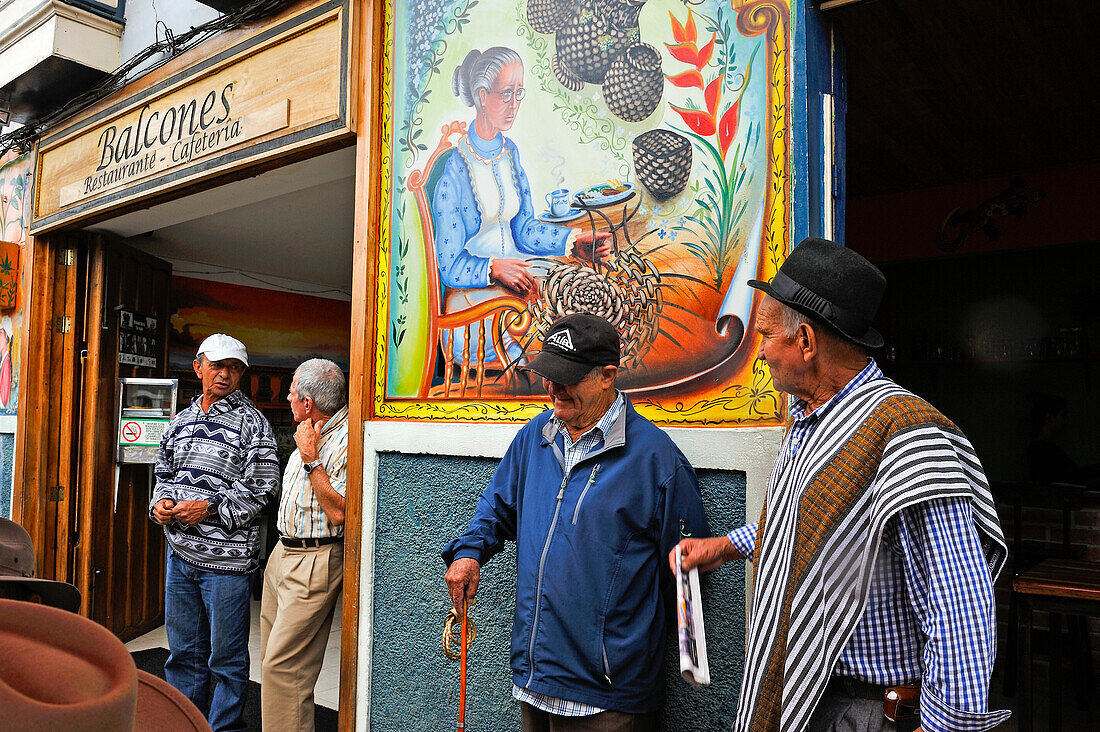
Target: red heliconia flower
(699, 122)
(712, 94)
(683, 33)
(727, 127)
(703, 58)
(684, 52)
(687, 79)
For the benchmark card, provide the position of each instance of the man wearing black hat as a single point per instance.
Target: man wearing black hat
(594, 495)
(17, 573)
(878, 545)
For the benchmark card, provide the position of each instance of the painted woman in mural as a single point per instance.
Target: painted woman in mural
(482, 211)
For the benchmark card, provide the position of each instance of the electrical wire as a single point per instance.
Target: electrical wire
(22, 139)
(248, 275)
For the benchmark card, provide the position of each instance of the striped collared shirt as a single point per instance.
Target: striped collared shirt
(929, 565)
(574, 452)
(300, 514)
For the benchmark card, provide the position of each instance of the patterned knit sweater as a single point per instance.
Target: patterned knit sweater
(229, 450)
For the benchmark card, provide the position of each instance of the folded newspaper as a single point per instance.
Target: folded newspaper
(689, 626)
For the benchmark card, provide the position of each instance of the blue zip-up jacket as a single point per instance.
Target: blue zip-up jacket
(593, 583)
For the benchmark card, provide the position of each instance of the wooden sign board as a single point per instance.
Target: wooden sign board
(282, 89)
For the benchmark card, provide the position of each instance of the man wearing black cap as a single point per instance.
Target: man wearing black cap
(593, 495)
(878, 545)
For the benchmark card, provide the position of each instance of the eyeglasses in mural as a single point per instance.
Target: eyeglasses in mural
(543, 157)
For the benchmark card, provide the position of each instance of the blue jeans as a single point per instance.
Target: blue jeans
(206, 616)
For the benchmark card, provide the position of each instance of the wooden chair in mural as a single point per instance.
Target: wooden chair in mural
(503, 313)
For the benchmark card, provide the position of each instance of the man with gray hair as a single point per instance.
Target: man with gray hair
(875, 555)
(305, 571)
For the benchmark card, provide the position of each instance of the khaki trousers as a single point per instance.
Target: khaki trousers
(535, 720)
(301, 587)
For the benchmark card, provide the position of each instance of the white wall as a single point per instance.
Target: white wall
(142, 17)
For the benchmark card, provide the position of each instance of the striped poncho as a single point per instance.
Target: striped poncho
(878, 451)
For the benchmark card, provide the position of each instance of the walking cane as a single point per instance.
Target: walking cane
(469, 633)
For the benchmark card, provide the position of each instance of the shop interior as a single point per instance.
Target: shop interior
(267, 259)
(972, 161)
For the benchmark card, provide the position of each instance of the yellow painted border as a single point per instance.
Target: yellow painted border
(754, 392)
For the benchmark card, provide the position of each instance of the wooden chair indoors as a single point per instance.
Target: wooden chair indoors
(504, 314)
(1053, 579)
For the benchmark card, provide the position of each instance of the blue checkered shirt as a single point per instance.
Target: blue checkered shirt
(929, 615)
(573, 453)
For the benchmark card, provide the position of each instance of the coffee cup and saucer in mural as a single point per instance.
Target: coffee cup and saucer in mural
(560, 207)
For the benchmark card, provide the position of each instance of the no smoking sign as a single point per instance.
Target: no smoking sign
(131, 432)
(141, 432)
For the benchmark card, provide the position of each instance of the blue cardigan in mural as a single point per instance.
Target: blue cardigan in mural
(481, 209)
(457, 214)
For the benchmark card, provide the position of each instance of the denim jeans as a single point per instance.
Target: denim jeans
(206, 616)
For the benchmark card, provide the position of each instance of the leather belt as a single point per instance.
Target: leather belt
(309, 543)
(899, 703)
(855, 688)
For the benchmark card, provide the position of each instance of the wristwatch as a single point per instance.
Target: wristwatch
(310, 466)
(213, 502)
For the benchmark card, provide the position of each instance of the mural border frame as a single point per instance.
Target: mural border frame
(770, 18)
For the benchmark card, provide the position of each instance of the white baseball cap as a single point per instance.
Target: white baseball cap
(219, 347)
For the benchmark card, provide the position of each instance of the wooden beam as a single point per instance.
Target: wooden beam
(833, 4)
(367, 32)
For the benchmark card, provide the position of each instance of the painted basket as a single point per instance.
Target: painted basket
(588, 43)
(662, 162)
(634, 83)
(546, 16)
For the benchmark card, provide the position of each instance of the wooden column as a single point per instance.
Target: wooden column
(367, 59)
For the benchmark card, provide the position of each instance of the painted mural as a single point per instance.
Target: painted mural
(15, 190)
(544, 157)
(280, 329)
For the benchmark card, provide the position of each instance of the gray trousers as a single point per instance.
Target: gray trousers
(841, 712)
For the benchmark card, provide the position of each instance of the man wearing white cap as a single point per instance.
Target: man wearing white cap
(216, 472)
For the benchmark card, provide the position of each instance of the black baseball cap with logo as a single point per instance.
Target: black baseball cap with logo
(574, 345)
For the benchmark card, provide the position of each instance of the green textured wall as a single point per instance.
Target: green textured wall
(425, 501)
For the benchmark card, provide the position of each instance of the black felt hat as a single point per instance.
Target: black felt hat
(17, 570)
(574, 345)
(832, 283)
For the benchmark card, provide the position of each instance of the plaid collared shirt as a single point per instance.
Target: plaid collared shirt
(300, 513)
(930, 565)
(574, 452)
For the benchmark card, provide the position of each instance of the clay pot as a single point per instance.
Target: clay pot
(662, 162)
(634, 83)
